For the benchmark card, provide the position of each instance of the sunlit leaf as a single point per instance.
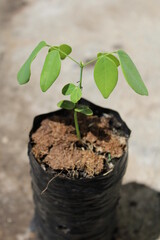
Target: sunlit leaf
(53, 48)
(66, 49)
(24, 73)
(66, 104)
(111, 56)
(100, 54)
(68, 89)
(131, 73)
(105, 75)
(114, 59)
(76, 95)
(51, 70)
(84, 109)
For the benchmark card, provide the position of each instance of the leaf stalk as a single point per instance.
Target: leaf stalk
(77, 125)
(81, 72)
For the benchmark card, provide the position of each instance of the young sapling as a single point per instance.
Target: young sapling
(105, 75)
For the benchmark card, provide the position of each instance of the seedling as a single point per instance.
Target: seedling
(105, 75)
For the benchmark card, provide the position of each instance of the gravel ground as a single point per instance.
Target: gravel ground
(89, 27)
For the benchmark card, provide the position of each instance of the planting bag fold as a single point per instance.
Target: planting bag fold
(76, 209)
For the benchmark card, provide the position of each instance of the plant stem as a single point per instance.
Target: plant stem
(93, 60)
(66, 55)
(75, 113)
(81, 72)
(77, 125)
(72, 59)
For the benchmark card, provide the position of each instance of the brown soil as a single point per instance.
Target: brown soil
(55, 145)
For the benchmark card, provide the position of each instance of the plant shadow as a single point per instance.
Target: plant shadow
(138, 213)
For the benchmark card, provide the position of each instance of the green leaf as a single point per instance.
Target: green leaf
(76, 95)
(66, 104)
(51, 70)
(24, 73)
(114, 59)
(100, 54)
(66, 49)
(84, 109)
(105, 75)
(53, 48)
(68, 89)
(111, 56)
(131, 73)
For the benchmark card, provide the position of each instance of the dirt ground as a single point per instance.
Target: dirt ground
(89, 27)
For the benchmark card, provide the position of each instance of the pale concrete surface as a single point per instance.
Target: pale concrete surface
(88, 26)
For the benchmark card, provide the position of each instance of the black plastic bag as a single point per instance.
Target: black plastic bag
(76, 209)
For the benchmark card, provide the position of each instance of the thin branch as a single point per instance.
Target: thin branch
(66, 55)
(44, 190)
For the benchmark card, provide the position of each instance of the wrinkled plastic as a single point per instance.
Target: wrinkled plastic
(76, 209)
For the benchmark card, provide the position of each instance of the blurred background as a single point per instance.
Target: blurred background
(89, 27)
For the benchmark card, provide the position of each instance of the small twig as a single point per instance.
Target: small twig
(50, 182)
(108, 172)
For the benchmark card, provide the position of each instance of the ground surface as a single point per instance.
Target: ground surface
(89, 27)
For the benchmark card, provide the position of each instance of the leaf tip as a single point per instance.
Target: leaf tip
(59, 104)
(146, 93)
(43, 88)
(21, 78)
